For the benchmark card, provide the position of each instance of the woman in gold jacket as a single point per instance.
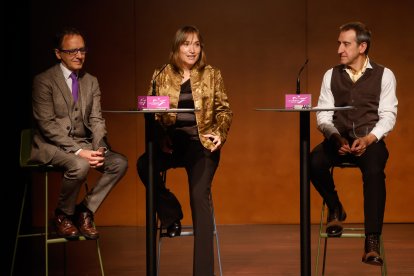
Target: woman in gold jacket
(191, 140)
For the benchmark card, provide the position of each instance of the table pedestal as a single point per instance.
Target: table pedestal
(150, 217)
(305, 238)
(304, 140)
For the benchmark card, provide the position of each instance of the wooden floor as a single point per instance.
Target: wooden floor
(246, 250)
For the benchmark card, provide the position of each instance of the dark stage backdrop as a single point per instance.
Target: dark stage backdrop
(259, 46)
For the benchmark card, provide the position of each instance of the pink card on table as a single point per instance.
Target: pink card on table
(153, 102)
(298, 101)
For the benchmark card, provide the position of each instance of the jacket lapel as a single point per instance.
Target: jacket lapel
(195, 86)
(83, 84)
(62, 85)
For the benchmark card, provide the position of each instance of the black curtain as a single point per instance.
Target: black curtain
(15, 115)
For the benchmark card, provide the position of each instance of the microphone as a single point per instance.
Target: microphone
(154, 92)
(298, 79)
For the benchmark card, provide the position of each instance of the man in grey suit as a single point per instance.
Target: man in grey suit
(70, 134)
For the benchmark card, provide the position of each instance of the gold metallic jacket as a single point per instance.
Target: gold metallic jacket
(213, 116)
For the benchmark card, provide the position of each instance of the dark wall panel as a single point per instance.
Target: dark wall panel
(259, 46)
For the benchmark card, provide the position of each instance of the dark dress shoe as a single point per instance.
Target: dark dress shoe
(372, 250)
(174, 229)
(334, 226)
(86, 226)
(65, 228)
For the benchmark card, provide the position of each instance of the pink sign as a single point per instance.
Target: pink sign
(298, 101)
(153, 102)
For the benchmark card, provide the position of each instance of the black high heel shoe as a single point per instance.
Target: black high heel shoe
(174, 229)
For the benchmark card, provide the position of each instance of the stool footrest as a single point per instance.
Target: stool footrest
(344, 235)
(30, 235)
(59, 240)
(182, 234)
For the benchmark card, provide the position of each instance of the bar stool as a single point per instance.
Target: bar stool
(25, 149)
(348, 232)
(186, 231)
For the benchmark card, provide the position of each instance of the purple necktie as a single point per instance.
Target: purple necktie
(75, 86)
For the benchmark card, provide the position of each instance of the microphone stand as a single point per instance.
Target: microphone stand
(298, 79)
(154, 89)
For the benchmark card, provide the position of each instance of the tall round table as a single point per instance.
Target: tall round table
(305, 241)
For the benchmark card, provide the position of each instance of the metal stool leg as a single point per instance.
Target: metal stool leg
(47, 226)
(384, 265)
(324, 256)
(159, 246)
(217, 238)
(98, 248)
(319, 239)
(325, 244)
(64, 259)
(100, 257)
(18, 228)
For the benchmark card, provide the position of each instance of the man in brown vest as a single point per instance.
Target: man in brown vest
(357, 135)
(70, 134)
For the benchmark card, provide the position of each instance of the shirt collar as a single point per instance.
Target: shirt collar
(66, 71)
(366, 65)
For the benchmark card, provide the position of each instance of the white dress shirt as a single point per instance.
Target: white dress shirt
(387, 109)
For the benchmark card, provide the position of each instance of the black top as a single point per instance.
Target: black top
(186, 121)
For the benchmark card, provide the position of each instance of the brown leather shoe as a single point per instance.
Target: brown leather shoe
(65, 228)
(372, 250)
(86, 226)
(335, 218)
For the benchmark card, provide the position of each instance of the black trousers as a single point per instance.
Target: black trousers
(372, 165)
(200, 165)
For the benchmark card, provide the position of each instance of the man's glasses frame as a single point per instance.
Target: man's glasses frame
(74, 52)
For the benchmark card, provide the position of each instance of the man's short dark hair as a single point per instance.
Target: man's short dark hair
(61, 34)
(363, 34)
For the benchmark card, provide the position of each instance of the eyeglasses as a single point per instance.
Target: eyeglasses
(74, 52)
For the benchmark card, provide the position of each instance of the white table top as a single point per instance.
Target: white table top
(312, 109)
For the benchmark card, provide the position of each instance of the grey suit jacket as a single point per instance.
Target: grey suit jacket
(52, 104)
